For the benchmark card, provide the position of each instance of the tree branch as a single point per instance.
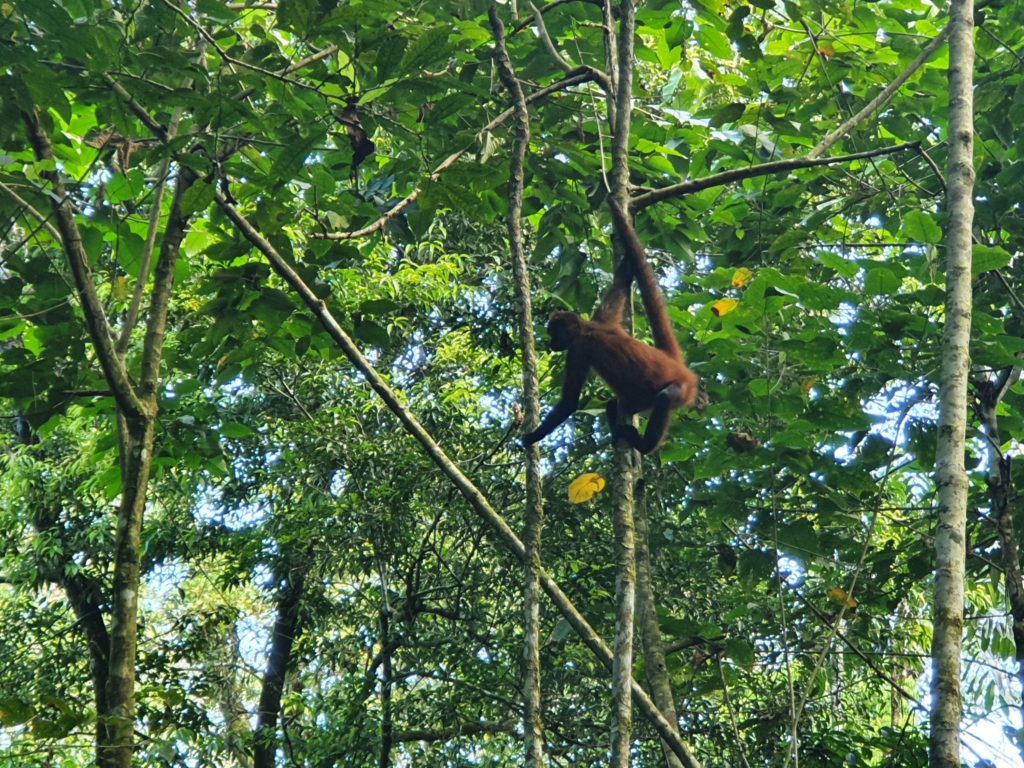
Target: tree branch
(653, 196)
(533, 726)
(163, 282)
(96, 321)
(876, 103)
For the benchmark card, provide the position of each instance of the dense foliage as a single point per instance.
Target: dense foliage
(365, 139)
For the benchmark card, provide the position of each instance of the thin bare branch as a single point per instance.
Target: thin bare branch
(132, 315)
(764, 169)
(533, 725)
(882, 98)
(32, 211)
(546, 39)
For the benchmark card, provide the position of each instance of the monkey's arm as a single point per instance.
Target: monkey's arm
(613, 305)
(654, 303)
(657, 424)
(576, 370)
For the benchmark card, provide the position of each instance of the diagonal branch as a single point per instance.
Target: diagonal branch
(96, 321)
(653, 196)
(163, 282)
(882, 98)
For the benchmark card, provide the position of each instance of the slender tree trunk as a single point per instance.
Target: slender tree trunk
(387, 722)
(950, 476)
(626, 459)
(990, 394)
(533, 726)
(226, 667)
(650, 633)
(286, 631)
(625, 600)
(136, 439)
(137, 412)
(83, 597)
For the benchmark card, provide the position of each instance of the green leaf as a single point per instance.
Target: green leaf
(297, 15)
(714, 42)
(799, 538)
(728, 114)
(197, 198)
(985, 258)
(128, 186)
(429, 47)
(740, 651)
(235, 430)
(881, 281)
(920, 227)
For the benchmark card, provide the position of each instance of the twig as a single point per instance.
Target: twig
(935, 168)
(551, 6)
(546, 39)
(35, 213)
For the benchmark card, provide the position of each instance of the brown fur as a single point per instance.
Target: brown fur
(643, 377)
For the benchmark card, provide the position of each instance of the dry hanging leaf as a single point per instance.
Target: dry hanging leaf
(585, 487)
(840, 595)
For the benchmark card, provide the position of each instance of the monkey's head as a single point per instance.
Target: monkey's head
(563, 328)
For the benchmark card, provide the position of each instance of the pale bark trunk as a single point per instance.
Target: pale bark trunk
(950, 476)
(627, 466)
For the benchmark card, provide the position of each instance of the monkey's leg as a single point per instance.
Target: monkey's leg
(657, 424)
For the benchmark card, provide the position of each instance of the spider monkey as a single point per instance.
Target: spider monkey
(643, 377)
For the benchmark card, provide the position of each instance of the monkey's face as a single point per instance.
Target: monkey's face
(563, 328)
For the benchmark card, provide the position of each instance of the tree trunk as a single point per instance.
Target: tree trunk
(533, 726)
(950, 476)
(286, 631)
(650, 633)
(83, 597)
(387, 720)
(626, 459)
(136, 444)
(990, 394)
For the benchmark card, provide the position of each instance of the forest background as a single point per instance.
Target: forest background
(263, 341)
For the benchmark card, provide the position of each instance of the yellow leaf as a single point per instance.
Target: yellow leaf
(723, 306)
(741, 277)
(585, 487)
(808, 384)
(7, 9)
(840, 595)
